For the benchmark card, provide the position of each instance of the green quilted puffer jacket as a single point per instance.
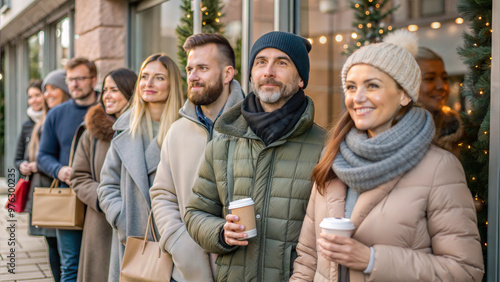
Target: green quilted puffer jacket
(277, 177)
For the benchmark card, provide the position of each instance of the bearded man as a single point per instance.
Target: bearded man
(211, 92)
(268, 147)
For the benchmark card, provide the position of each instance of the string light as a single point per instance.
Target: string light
(460, 144)
(381, 31)
(310, 40)
(377, 6)
(486, 132)
(473, 178)
(413, 27)
(475, 45)
(435, 25)
(487, 24)
(360, 26)
(459, 21)
(481, 93)
(486, 244)
(480, 18)
(345, 46)
(206, 13)
(188, 16)
(322, 39)
(369, 25)
(339, 38)
(203, 9)
(358, 44)
(354, 35)
(217, 19)
(469, 112)
(389, 28)
(204, 23)
(468, 147)
(219, 14)
(486, 222)
(357, 5)
(367, 13)
(485, 152)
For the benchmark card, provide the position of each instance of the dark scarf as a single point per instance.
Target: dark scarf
(364, 163)
(269, 127)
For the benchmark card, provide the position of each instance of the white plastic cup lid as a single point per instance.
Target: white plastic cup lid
(240, 203)
(336, 223)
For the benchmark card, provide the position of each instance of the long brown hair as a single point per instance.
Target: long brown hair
(323, 172)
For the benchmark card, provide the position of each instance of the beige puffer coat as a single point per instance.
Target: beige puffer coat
(422, 226)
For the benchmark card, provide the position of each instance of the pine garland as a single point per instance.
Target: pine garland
(476, 54)
(369, 23)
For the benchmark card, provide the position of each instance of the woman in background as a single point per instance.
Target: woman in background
(55, 92)
(117, 91)
(413, 214)
(434, 93)
(133, 156)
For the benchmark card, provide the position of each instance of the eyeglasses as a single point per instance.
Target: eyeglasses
(77, 79)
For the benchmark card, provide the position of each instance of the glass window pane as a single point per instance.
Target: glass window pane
(154, 32)
(35, 45)
(62, 42)
(263, 18)
(232, 30)
(322, 26)
(432, 8)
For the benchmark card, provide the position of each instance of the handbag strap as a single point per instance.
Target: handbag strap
(230, 166)
(150, 223)
(54, 184)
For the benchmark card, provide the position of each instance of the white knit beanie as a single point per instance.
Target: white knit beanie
(395, 56)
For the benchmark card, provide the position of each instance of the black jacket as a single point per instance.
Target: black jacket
(22, 142)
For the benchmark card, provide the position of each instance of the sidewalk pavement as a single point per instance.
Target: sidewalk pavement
(31, 257)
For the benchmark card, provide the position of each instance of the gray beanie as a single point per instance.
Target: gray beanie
(296, 47)
(56, 78)
(395, 56)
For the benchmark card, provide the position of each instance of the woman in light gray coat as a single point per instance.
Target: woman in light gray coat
(133, 156)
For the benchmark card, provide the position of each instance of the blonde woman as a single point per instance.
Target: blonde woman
(133, 156)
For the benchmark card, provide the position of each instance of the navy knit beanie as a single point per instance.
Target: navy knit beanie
(296, 47)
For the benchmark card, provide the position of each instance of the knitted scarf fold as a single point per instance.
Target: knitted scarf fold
(364, 163)
(270, 127)
(34, 115)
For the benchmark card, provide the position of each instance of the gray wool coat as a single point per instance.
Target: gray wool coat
(127, 174)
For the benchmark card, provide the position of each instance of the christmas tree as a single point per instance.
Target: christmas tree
(211, 23)
(476, 54)
(369, 23)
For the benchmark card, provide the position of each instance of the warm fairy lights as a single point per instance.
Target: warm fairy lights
(354, 35)
(435, 25)
(413, 27)
(339, 38)
(322, 39)
(310, 40)
(459, 21)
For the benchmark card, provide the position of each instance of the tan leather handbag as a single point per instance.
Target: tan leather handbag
(144, 261)
(57, 208)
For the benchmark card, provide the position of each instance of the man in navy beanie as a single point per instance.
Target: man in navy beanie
(266, 149)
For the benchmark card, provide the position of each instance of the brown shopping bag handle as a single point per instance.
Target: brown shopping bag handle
(150, 223)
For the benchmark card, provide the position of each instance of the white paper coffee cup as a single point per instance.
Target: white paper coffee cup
(245, 211)
(338, 226)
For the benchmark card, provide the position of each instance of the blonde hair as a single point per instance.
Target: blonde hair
(175, 100)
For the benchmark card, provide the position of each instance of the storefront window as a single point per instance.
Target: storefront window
(62, 42)
(263, 18)
(35, 45)
(327, 29)
(154, 32)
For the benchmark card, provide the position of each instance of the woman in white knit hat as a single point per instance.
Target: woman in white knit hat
(413, 215)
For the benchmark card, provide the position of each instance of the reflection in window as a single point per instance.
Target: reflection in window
(154, 32)
(35, 45)
(62, 42)
(432, 8)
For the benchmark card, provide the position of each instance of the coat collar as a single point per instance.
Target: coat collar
(236, 95)
(138, 163)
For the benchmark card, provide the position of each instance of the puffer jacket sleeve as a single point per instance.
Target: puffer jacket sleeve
(304, 267)
(204, 213)
(82, 181)
(186, 253)
(456, 250)
(108, 191)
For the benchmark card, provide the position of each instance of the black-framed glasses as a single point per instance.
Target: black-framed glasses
(77, 79)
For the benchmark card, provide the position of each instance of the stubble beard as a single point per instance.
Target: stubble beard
(285, 91)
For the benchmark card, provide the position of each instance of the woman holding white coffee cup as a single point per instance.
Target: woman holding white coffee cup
(413, 215)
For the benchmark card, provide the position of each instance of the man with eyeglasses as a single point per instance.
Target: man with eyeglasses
(59, 129)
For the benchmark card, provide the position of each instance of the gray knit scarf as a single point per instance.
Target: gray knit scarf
(364, 163)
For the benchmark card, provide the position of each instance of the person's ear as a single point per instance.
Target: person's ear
(228, 74)
(301, 83)
(405, 99)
